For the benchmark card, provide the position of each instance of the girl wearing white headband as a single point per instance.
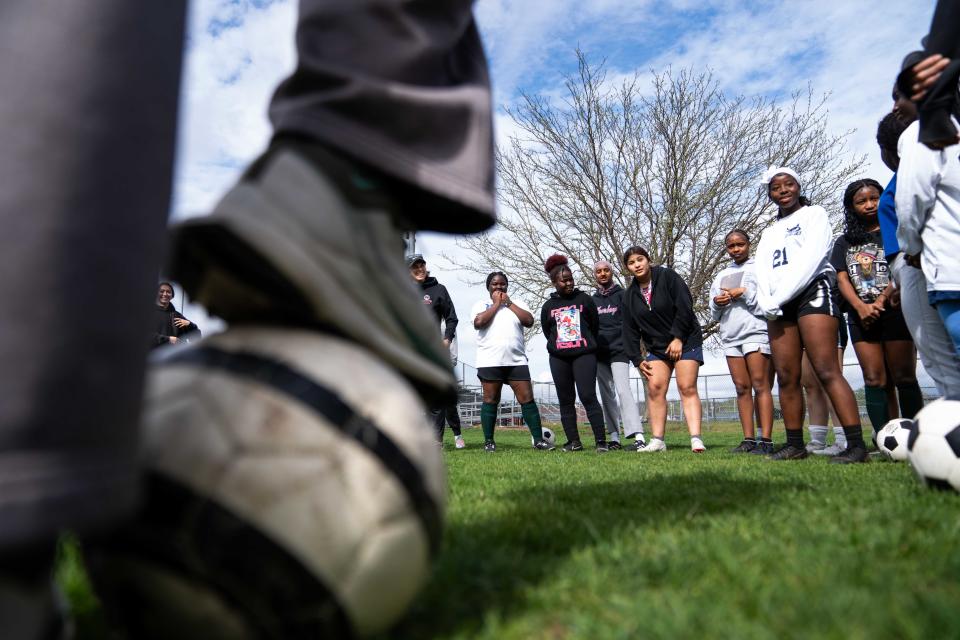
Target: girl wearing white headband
(797, 293)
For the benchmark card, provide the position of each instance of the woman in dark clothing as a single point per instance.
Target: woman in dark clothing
(570, 324)
(877, 328)
(170, 326)
(658, 309)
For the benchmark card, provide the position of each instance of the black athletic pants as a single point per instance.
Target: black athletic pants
(448, 414)
(580, 373)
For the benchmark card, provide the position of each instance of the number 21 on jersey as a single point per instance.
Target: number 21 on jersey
(779, 257)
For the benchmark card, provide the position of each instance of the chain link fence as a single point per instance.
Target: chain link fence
(718, 397)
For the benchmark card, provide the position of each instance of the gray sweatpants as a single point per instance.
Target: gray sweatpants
(613, 379)
(934, 345)
(87, 132)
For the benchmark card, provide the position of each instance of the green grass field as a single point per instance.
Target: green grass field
(680, 545)
(674, 545)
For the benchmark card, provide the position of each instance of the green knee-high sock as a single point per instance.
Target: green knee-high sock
(488, 418)
(876, 406)
(911, 399)
(531, 415)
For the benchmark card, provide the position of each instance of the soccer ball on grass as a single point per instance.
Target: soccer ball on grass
(293, 489)
(935, 445)
(892, 438)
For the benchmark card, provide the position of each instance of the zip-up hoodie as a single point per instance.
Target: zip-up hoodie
(438, 301)
(669, 315)
(610, 336)
(570, 324)
(740, 321)
(792, 252)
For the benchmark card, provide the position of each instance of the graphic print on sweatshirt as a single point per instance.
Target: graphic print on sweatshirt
(569, 334)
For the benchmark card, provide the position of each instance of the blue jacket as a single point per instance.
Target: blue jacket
(887, 214)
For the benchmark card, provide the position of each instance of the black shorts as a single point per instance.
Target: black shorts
(504, 374)
(888, 327)
(820, 297)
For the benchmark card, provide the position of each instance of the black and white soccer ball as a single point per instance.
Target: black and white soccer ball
(548, 435)
(294, 490)
(892, 438)
(935, 444)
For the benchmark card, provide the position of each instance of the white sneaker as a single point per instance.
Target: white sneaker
(459, 442)
(655, 444)
(696, 445)
(833, 450)
(816, 447)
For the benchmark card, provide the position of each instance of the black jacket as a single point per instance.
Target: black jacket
(610, 335)
(670, 315)
(577, 314)
(437, 299)
(163, 326)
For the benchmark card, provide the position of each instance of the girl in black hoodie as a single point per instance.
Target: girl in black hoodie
(570, 322)
(658, 309)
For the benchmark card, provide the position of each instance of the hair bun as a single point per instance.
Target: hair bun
(554, 261)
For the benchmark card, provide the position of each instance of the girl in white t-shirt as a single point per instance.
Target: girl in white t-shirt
(501, 357)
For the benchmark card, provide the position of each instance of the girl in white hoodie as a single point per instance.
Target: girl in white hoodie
(743, 333)
(797, 292)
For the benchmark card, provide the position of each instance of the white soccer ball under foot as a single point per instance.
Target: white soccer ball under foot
(548, 436)
(293, 490)
(935, 445)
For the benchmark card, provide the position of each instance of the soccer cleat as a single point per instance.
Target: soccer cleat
(762, 448)
(833, 450)
(489, 446)
(543, 445)
(575, 445)
(746, 446)
(655, 444)
(788, 452)
(696, 444)
(459, 443)
(851, 455)
(288, 245)
(602, 447)
(613, 445)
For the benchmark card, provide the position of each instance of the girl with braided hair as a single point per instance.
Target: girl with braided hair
(570, 324)
(877, 329)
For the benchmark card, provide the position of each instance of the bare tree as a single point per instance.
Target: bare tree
(672, 164)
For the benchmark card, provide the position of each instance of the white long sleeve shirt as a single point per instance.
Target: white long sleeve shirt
(928, 209)
(738, 320)
(792, 252)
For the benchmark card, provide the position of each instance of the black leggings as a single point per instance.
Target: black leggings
(448, 414)
(582, 372)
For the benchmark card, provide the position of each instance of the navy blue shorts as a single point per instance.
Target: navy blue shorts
(696, 353)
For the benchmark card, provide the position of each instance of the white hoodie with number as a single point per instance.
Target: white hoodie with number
(792, 252)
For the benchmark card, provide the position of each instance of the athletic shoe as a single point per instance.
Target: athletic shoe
(851, 455)
(696, 445)
(613, 445)
(832, 450)
(576, 445)
(459, 443)
(816, 447)
(788, 452)
(602, 447)
(489, 446)
(762, 448)
(655, 444)
(746, 446)
(543, 445)
(289, 245)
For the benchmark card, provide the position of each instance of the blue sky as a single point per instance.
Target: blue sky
(237, 51)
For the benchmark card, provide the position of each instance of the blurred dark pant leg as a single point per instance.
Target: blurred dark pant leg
(87, 133)
(401, 86)
(453, 419)
(439, 422)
